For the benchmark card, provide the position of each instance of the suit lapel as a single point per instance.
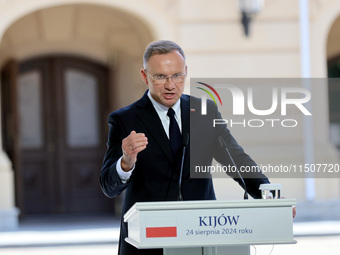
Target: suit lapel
(149, 117)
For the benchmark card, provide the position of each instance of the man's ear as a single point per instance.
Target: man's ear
(144, 76)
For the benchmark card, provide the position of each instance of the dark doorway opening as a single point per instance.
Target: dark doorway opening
(334, 102)
(54, 119)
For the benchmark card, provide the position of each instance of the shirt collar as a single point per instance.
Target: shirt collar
(163, 109)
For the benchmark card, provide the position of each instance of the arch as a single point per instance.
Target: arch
(160, 25)
(333, 71)
(320, 28)
(107, 53)
(321, 20)
(333, 46)
(94, 31)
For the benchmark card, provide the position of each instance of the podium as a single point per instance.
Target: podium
(210, 227)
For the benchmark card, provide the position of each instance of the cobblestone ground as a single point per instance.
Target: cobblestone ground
(316, 245)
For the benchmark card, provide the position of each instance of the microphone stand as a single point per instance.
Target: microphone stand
(226, 151)
(184, 144)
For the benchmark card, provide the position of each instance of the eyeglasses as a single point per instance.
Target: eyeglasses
(161, 79)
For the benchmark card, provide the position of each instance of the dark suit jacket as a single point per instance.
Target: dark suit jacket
(156, 173)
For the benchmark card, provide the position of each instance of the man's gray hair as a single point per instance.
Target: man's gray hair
(160, 47)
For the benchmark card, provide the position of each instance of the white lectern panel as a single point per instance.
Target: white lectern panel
(210, 223)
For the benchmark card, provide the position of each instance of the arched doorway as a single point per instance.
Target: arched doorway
(56, 165)
(333, 71)
(59, 106)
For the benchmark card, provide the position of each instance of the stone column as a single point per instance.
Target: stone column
(8, 212)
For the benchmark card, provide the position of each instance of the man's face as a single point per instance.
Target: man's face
(165, 65)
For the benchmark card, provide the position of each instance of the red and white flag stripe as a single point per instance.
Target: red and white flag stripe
(161, 227)
(161, 232)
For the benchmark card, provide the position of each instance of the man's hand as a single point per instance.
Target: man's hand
(131, 146)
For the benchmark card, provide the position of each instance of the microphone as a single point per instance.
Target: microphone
(185, 143)
(224, 145)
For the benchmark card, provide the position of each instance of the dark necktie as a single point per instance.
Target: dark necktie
(174, 132)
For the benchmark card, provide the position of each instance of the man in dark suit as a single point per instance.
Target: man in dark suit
(141, 157)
